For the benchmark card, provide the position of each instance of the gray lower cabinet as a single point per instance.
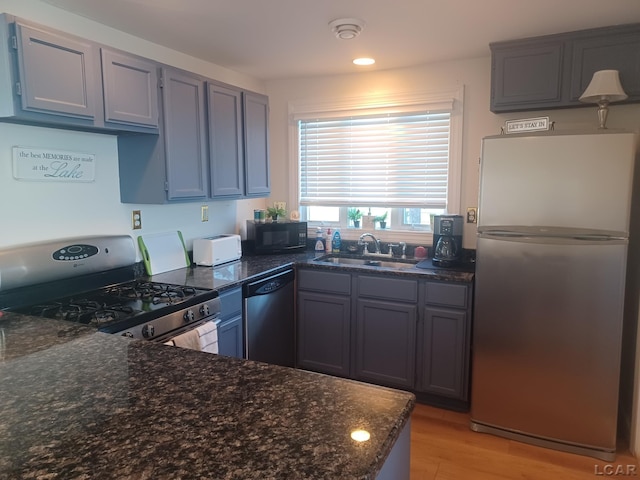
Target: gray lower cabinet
(388, 330)
(385, 340)
(553, 71)
(444, 340)
(323, 328)
(230, 328)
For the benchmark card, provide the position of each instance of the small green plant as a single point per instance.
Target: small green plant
(275, 212)
(354, 214)
(381, 218)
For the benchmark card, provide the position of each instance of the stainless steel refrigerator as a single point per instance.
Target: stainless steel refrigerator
(553, 226)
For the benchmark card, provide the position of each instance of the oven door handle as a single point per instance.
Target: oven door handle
(179, 331)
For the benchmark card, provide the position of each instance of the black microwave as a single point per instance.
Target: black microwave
(276, 237)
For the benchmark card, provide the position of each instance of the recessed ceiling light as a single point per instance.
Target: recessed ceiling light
(364, 61)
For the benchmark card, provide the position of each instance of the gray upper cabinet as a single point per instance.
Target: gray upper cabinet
(552, 71)
(256, 144)
(171, 166)
(617, 51)
(130, 89)
(226, 150)
(47, 77)
(185, 135)
(525, 74)
(54, 79)
(56, 73)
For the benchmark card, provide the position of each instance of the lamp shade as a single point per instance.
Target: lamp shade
(605, 85)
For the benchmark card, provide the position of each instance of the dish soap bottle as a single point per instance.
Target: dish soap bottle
(319, 241)
(328, 241)
(336, 243)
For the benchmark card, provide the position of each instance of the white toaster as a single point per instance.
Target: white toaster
(213, 251)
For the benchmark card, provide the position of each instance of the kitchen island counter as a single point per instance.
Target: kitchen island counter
(103, 406)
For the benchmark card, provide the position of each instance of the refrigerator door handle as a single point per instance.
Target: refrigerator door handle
(553, 239)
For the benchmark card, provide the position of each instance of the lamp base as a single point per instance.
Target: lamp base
(603, 112)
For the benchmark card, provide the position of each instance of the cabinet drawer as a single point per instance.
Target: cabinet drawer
(388, 288)
(450, 294)
(322, 281)
(230, 303)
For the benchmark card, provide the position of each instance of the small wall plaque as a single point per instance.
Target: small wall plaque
(43, 164)
(527, 125)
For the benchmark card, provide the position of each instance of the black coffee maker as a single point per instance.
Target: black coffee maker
(447, 240)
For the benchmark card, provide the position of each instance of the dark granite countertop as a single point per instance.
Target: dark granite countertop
(79, 404)
(253, 267)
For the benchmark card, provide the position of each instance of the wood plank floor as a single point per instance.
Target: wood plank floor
(443, 447)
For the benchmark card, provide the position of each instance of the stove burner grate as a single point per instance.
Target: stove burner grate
(155, 293)
(83, 311)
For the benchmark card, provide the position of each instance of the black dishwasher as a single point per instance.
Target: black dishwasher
(269, 319)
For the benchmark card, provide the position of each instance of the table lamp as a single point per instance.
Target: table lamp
(604, 88)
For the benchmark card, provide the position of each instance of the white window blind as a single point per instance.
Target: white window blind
(386, 159)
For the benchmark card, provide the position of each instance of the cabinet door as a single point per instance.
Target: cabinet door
(442, 352)
(385, 343)
(323, 331)
(230, 338)
(619, 51)
(225, 141)
(57, 74)
(184, 135)
(526, 76)
(256, 145)
(130, 89)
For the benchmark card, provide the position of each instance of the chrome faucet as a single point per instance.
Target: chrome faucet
(361, 242)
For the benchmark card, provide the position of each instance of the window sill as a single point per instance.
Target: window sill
(412, 237)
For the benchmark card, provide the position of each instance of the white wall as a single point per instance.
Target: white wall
(37, 211)
(473, 74)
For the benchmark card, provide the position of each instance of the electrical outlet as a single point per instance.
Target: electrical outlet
(204, 213)
(136, 220)
(472, 215)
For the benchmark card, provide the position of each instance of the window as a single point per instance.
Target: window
(401, 158)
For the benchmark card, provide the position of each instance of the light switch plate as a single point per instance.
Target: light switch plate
(204, 213)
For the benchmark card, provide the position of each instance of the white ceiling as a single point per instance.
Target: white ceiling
(271, 39)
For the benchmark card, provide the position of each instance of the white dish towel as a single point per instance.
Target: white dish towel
(203, 338)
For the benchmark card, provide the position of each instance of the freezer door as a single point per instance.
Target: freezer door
(582, 182)
(547, 338)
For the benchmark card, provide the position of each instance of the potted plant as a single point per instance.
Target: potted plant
(276, 212)
(355, 214)
(382, 219)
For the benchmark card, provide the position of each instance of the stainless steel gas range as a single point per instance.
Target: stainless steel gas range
(91, 281)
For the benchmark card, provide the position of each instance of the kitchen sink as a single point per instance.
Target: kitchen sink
(373, 261)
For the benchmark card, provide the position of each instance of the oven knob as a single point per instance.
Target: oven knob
(189, 316)
(127, 334)
(148, 331)
(204, 310)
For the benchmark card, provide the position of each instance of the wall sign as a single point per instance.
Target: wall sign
(527, 125)
(44, 164)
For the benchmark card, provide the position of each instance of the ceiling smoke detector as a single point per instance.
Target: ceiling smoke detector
(346, 28)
